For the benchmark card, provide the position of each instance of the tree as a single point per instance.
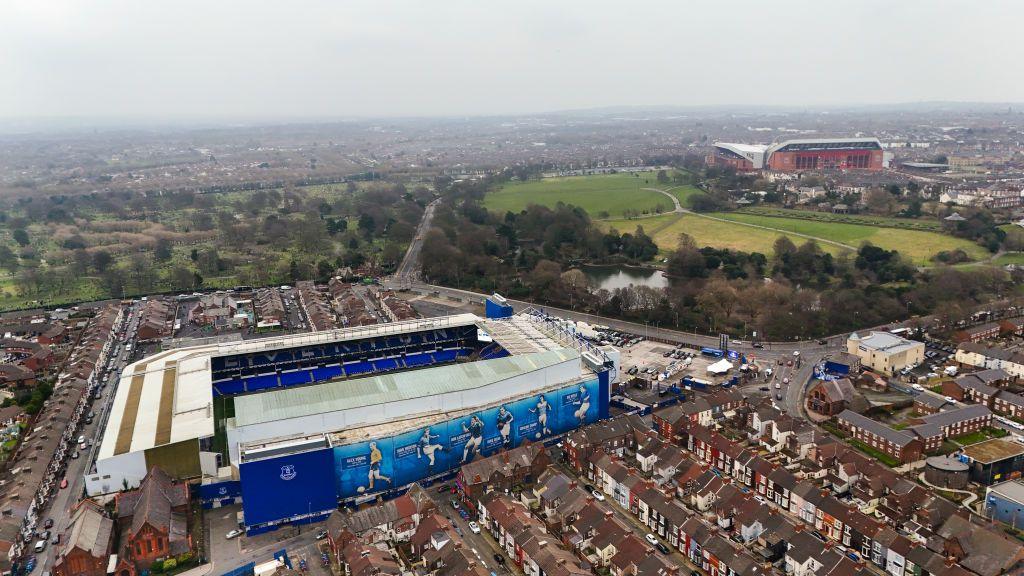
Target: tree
(163, 250)
(879, 201)
(181, 278)
(8, 259)
(21, 237)
(102, 260)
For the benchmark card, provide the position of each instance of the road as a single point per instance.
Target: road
(481, 545)
(63, 502)
(409, 269)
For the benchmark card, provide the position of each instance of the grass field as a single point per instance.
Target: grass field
(682, 193)
(665, 231)
(1010, 258)
(917, 245)
(612, 193)
(863, 219)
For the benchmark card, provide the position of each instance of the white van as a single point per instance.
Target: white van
(40, 546)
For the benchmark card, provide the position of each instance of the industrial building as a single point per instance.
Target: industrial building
(994, 461)
(885, 352)
(1005, 502)
(802, 154)
(297, 424)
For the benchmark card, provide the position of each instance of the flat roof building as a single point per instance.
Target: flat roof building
(884, 352)
(994, 460)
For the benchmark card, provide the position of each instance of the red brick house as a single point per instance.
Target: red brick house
(153, 520)
(87, 542)
(501, 471)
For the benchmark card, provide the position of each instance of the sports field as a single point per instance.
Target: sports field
(613, 194)
(665, 229)
(918, 245)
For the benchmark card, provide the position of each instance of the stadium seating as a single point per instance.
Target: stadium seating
(293, 378)
(254, 383)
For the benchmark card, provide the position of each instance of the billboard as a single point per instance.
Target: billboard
(390, 462)
(288, 487)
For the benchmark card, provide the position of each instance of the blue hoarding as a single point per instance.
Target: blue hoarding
(385, 463)
(286, 487)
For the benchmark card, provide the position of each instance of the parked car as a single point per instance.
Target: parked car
(321, 534)
(651, 538)
(233, 534)
(442, 488)
(499, 558)
(588, 487)
(63, 483)
(474, 527)
(662, 548)
(597, 495)
(48, 524)
(454, 503)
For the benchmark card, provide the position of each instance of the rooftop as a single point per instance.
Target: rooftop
(884, 341)
(1012, 490)
(993, 450)
(340, 395)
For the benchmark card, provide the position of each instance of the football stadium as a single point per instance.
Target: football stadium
(803, 154)
(296, 425)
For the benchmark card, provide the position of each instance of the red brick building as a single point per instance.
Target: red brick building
(87, 542)
(153, 520)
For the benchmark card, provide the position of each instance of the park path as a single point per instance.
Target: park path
(967, 501)
(680, 210)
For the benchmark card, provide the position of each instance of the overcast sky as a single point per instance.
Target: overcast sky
(219, 58)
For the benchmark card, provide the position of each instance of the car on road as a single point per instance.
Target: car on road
(474, 527)
(56, 539)
(40, 546)
(454, 503)
(499, 558)
(48, 524)
(74, 454)
(758, 345)
(950, 399)
(321, 534)
(233, 534)
(597, 495)
(823, 342)
(63, 483)
(764, 389)
(588, 487)
(789, 363)
(45, 535)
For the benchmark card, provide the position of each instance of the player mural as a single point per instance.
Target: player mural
(384, 463)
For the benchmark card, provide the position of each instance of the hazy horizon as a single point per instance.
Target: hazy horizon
(260, 61)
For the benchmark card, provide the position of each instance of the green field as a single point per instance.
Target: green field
(917, 245)
(614, 194)
(682, 193)
(665, 231)
(1010, 258)
(863, 219)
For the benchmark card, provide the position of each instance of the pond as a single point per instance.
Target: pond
(618, 276)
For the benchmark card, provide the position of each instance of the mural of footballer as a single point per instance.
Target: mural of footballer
(476, 437)
(584, 404)
(504, 424)
(542, 415)
(425, 448)
(375, 461)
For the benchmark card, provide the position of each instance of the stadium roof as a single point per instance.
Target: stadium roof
(742, 148)
(347, 394)
(168, 398)
(824, 144)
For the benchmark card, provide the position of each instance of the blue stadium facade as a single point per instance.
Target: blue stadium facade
(304, 482)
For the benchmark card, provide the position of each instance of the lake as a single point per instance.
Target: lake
(616, 276)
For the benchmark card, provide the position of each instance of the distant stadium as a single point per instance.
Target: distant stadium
(804, 154)
(295, 425)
